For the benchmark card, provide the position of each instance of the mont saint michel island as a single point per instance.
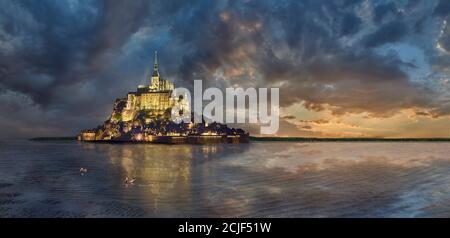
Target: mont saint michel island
(144, 116)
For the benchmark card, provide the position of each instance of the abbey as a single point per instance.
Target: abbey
(155, 98)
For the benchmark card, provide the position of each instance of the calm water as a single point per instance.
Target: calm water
(42, 179)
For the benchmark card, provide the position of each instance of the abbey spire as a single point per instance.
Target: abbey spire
(156, 82)
(155, 66)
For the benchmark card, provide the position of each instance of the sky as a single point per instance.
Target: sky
(345, 68)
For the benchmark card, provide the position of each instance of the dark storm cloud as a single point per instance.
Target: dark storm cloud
(118, 20)
(388, 33)
(306, 54)
(51, 47)
(443, 8)
(444, 40)
(350, 24)
(70, 59)
(386, 10)
(49, 42)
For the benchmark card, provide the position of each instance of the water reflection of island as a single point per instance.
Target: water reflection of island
(164, 174)
(227, 180)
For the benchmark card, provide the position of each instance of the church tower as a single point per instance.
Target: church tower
(155, 80)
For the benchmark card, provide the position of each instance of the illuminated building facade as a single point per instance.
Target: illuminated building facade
(154, 98)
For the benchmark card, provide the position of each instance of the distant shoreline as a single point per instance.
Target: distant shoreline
(50, 138)
(292, 139)
(312, 139)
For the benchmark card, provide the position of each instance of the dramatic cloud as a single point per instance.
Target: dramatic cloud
(62, 63)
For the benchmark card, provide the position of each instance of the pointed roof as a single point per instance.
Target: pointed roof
(155, 66)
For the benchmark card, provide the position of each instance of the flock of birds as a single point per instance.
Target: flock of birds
(127, 181)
